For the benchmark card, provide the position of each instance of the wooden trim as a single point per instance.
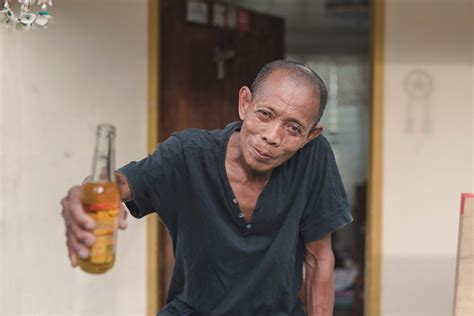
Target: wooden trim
(153, 277)
(374, 213)
(374, 219)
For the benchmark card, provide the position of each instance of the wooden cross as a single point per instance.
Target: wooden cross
(220, 57)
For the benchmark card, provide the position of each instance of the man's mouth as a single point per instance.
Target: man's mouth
(262, 155)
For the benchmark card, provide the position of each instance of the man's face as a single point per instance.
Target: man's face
(277, 121)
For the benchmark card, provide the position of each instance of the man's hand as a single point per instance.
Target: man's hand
(79, 226)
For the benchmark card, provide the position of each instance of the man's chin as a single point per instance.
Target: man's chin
(261, 166)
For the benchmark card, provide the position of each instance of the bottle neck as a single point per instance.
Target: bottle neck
(103, 165)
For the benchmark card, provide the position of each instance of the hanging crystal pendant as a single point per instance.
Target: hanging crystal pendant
(44, 19)
(26, 20)
(7, 17)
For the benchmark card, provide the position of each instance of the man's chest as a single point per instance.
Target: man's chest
(218, 197)
(218, 208)
(247, 196)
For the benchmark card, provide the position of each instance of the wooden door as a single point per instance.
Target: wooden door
(194, 35)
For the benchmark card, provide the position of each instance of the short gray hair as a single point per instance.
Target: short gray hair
(296, 68)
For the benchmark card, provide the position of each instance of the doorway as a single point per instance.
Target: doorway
(337, 47)
(229, 45)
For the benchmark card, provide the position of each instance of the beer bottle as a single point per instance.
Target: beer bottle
(100, 197)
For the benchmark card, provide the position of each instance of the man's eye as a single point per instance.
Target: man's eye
(264, 114)
(295, 129)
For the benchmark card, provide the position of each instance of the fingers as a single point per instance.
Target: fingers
(78, 227)
(72, 256)
(76, 247)
(82, 236)
(123, 217)
(76, 211)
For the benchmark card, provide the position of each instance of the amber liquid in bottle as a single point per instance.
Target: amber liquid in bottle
(100, 197)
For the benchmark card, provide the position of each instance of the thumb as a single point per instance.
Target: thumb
(122, 217)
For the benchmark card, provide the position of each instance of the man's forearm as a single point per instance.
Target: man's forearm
(320, 288)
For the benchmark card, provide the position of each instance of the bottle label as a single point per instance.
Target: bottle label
(100, 206)
(106, 222)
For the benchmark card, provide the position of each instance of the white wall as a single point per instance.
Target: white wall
(56, 85)
(428, 153)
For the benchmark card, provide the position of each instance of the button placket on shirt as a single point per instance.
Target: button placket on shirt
(248, 226)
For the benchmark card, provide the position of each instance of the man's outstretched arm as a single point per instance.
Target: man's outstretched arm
(319, 275)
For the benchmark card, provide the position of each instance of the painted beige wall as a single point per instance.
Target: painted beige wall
(55, 87)
(429, 162)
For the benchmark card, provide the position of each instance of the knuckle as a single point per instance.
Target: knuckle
(75, 246)
(73, 191)
(79, 215)
(81, 236)
(69, 237)
(84, 223)
(75, 230)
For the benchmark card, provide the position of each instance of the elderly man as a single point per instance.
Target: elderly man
(245, 206)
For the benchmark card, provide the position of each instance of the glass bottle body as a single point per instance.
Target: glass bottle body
(100, 198)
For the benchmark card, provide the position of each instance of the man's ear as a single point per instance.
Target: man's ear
(314, 132)
(245, 99)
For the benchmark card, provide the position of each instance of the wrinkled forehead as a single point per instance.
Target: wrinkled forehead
(292, 87)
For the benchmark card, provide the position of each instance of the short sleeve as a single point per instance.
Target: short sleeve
(326, 209)
(155, 181)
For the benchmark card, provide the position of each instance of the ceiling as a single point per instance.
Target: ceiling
(319, 26)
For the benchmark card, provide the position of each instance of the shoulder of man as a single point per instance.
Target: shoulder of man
(318, 145)
(312, 156)
(196, 138)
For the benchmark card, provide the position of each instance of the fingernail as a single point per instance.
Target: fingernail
(89, 225)
(90, 241)
(83, 254)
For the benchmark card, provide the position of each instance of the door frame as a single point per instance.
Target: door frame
(374, 196)
(153, 275)
(373, 237)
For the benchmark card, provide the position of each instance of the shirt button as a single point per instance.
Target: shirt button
(241, 215)
(249, 226)
(234, 201)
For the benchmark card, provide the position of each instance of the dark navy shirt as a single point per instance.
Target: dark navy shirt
(224, 265)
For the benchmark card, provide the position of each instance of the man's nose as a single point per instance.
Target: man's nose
(272, 135)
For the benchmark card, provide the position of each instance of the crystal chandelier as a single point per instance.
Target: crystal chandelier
(25, 19)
